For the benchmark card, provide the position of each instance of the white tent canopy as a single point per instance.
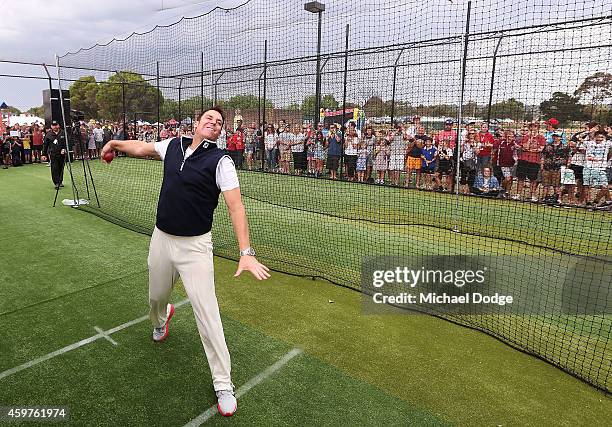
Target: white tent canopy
(25, 120)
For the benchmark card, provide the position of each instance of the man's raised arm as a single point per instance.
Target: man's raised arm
(133, 148)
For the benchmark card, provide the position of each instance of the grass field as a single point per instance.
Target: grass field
(325, 229)
(65, 272)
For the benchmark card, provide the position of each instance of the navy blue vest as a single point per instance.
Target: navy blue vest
(189, 192)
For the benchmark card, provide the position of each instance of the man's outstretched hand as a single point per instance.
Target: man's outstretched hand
(250, 263)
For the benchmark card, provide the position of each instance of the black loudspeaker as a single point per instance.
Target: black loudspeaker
(53, 111)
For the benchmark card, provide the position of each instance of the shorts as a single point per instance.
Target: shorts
(551, 178)
(249, 150)
(396, 162)
(37, 148)
(528, 170)
(430, 168)
(577, 172)
(594, 177)
(413, 163)
(27, 151)
(285, 156)
(507, 171)
(333, 162)
(445, 167)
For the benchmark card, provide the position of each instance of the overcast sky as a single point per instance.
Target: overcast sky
(35, 30)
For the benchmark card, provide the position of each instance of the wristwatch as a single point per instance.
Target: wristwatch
(248, 251)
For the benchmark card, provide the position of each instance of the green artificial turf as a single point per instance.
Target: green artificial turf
(71, 271)
(324, 228)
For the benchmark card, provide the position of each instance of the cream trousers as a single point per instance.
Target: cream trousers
(191, 258)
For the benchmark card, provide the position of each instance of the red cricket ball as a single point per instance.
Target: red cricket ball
(108, 156)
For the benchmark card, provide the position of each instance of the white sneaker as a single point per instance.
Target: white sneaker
(161, 333)
(534, 199)
(516, 197)
(226, 402)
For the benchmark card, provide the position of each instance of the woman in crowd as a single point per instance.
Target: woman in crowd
(381, 157)
(285, 139)
(319, 153)
(351, 144)
(469, 150)
(270, 143)
(370, 141)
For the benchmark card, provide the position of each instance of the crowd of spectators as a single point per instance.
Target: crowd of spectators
(537, 162)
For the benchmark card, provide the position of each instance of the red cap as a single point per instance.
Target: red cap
(553, 122)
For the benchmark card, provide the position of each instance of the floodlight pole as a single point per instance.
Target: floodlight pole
(202, 82)
(179, 103)
(125, 138)
(319, 8)
(346, 45)
(49, 77)
(263, 120)
(459, 113)
(394, 85)
(66, 138)
(217, 81)
(158, 101)
(493, 78)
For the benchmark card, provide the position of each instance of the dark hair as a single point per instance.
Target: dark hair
(215, 108)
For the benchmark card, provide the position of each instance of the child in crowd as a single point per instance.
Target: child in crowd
(445, 166)
(362, 160)
(381, 157)
(249, 147)
(429, 157)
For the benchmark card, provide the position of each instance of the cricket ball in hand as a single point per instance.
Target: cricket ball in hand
(108, 156)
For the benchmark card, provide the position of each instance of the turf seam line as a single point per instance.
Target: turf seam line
(78, 344)
(105, 335)
(34, 304)
(246, 387)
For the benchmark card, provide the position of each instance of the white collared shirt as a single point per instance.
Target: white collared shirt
(225, 175)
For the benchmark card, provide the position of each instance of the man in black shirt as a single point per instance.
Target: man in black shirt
(54, 147)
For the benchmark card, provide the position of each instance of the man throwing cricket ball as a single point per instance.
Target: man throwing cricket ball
(196, 171)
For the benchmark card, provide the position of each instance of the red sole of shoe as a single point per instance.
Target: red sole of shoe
(162, 339)
(227, 414)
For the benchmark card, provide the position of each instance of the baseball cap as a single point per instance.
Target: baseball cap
(448, 122)
(553, 122)
(557, 134)
(54, 122)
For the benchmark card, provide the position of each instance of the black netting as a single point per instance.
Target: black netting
(508, 64)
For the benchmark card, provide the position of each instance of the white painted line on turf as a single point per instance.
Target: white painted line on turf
(76, 345)
(105, 335)
(246, 387)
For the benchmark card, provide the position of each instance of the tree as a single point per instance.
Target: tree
(327, 102)
(169, 110)
(508, 109)
(83, 94)
(597, 88)
(14, 110)
(471, 109)
(37, 111)
(562, 107)
(140, 97)
(244, 102)
(376, 107)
